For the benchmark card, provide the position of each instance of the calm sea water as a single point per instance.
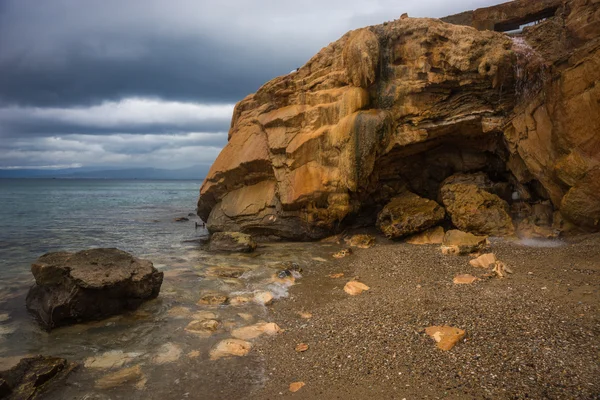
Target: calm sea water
(40, 216)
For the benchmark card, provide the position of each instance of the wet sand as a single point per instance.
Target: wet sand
(534, 334)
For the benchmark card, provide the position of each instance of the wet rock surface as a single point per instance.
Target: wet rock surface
(232, 242)
(89, 285)
(34, 377)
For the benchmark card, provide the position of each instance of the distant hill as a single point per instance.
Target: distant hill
(194, 172)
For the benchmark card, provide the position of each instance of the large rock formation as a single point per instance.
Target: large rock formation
(405, 105)
(88, 285)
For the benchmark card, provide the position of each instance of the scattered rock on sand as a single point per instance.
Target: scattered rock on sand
(232, 242)
(33, 376)
(459, 242)
(360, 241)
(500, 269)
(336, 276)
(408, 214)
(342, 253)
(230, 347)
(167, 353)
(125, 376)
(430, 236)
(445, 336)
(253, 331)
(213, 299)
(294, 387)
(484, 260)
(110, 359)
(465, 279)
(89, 285)
(304, 315)
(354, 288)
(203, 327)
(302, 347)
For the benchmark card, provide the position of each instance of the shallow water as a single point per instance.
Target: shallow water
(38, 216)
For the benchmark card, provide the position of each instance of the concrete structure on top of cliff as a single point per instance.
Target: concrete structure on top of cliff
(452, 114)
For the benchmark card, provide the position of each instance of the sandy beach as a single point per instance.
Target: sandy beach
(533, 334)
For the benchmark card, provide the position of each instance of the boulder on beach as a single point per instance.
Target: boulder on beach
(34, 377)
(408, 214)
(232, 242)
(89, 285)
(474, 209)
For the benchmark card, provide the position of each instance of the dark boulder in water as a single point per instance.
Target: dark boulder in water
(89, 285)
(33, 377)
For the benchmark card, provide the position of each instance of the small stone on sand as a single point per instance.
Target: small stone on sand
(294, 387)
(305, 315)
(335, 276)
(342, 253)
(301, 347)
(445, 336)
(483, 261)
(464, 279)
(354, 288)
(230, 347)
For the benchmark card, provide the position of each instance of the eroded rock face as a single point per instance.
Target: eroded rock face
(88, 285)
(408, 214)
(405, 105)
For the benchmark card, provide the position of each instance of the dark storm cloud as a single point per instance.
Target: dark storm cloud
(73, 52)
(153, 82)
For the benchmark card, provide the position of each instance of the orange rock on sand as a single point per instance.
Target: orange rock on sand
(354, 288)
(464, 279)
(294, 387)
(483, 261)
(301, 347)
(445, 336)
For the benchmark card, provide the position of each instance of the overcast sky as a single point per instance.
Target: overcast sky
(138, 83)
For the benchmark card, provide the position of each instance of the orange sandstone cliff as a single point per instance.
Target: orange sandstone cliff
(422, 122)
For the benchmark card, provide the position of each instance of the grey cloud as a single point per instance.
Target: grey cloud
(71, 52)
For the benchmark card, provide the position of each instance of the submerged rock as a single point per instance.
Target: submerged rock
(110, 359)
(253, 331)
(460, 243)
(33, 377)
(408, 214)
(232, 242)
(230, 347)
(167, 353)
(89, 285)
(203, 327)
(131, 375)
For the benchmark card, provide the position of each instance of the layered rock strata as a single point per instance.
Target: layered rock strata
(404, 106)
